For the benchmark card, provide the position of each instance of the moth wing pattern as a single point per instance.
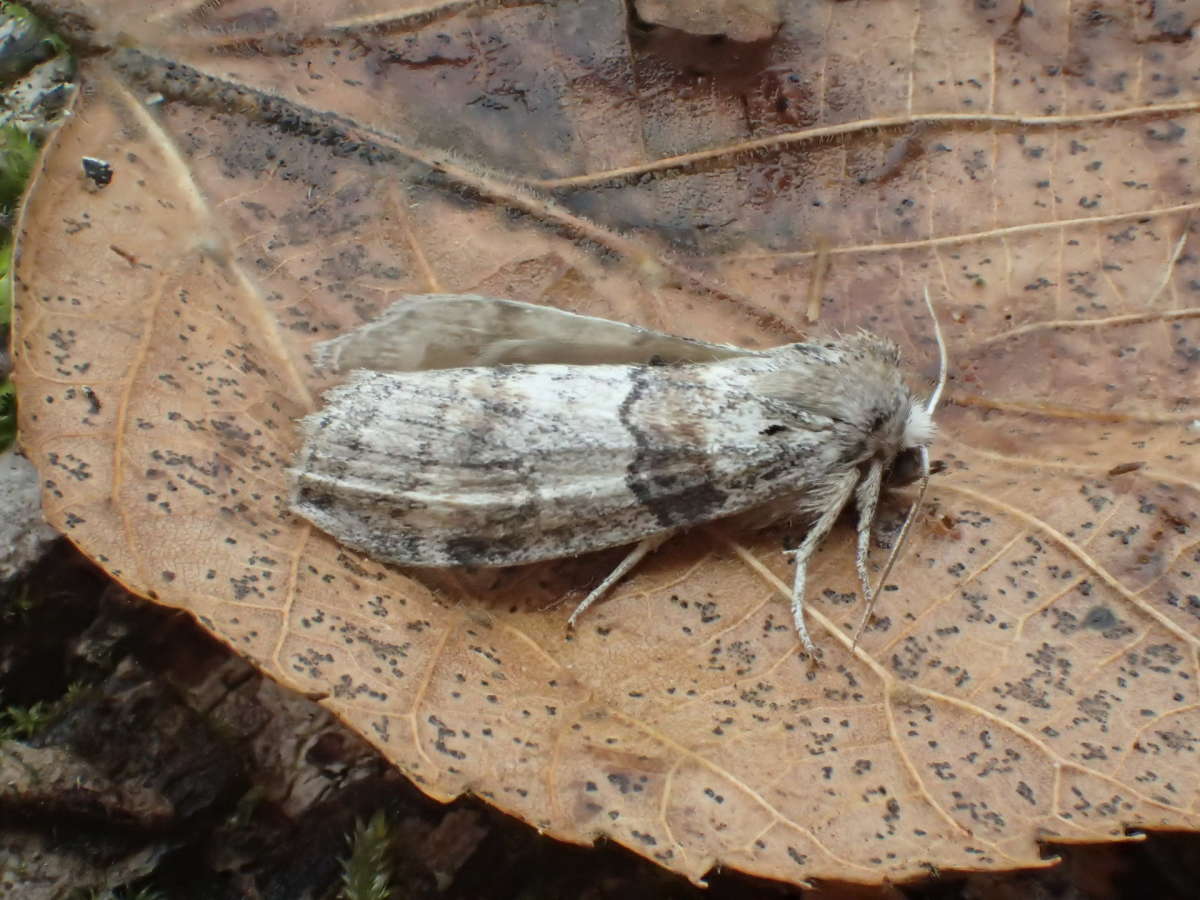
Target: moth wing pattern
(422, 332)
(516, 464)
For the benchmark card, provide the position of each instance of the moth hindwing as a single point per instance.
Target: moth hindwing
(483, 432)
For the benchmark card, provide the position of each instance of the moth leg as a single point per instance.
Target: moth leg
(902, 537)
(843, 490)
(643, 548)
(867, 498)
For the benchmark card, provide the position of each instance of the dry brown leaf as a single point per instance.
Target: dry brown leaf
(1034, 673)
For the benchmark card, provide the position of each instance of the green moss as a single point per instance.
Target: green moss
(23, 722)
(17, 156)
(367, 874)
(8, 414)
(17, 601)
(5, 283)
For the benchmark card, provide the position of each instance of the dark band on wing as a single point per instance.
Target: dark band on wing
(652, 475)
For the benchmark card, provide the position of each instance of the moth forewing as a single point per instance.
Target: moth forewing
(420, 332)
(426, 456)
(498, 466)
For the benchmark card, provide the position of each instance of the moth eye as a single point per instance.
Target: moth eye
(773, 429)
(906, 468)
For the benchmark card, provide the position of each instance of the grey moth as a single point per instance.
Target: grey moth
(482, 432)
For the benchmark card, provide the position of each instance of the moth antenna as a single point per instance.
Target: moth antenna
(943, 359)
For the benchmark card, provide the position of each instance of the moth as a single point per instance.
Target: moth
(482, 432)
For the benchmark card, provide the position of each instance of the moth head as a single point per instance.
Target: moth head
(909, 455)
(919, 432)
(897, 431)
